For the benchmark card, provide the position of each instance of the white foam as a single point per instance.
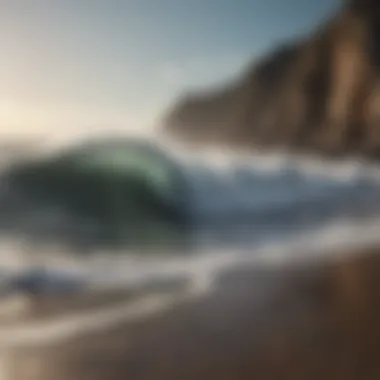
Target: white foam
(108, 270)
(202, 268)
(275, 161)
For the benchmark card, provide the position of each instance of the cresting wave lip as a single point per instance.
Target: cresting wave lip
(277, 162)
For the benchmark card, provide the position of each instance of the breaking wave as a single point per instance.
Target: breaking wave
(261, 208)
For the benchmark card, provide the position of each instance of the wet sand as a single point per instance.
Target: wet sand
(50, 306)
(287, 322)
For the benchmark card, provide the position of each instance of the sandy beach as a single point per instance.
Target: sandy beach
(291, 321)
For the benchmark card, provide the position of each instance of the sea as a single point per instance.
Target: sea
(255, 207)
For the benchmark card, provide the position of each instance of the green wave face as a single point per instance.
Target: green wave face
(144, 189)
(134, 163)
(135, 193)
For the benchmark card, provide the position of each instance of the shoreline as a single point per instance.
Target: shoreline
(289, 321)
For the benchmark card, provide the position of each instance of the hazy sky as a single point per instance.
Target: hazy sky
(87, 64)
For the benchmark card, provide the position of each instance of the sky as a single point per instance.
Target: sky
(86, 65)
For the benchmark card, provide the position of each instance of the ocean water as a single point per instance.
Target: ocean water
(262, 208)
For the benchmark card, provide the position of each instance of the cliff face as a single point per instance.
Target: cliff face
(319, 93)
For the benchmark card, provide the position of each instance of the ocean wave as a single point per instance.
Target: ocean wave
(259, 208)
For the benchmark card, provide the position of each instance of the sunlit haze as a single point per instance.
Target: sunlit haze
(86, 65)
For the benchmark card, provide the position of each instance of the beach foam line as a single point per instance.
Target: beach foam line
(202, 271)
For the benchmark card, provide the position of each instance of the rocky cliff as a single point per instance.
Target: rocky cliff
(319, 93)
